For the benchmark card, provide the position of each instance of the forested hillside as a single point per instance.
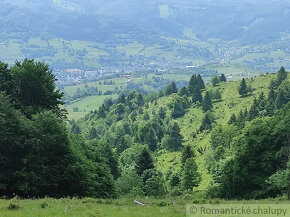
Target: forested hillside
(224, 139)
(230, 139)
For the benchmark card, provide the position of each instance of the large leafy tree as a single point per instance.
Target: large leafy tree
(33, 87)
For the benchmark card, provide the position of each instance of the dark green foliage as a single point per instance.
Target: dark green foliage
(200, 81)
(179, 105)
(271, 96)
(191, 176)
(158, 127)
(207, 122)
(243, 89)
(144, 162)
(75, 128)
(111, 159)
(128, 181)
(196, 94)
(183, 92)
(195, 81)
(140, 100)
(281, 76)
(37, 157)
(13, 133)
(31, 86)
(146, 116)
(173, 141)
(222, 78)
(146, 135)
(92, 134)
(101, 112)
(154, 184)
(122, 99)
(233, 119)
(281, 99)
(216, 95)
(162, 113)
(170, 89)
(215, 81)
(254, 110)
(206, 103)
(5, 78)
(187, 153)
(256, 157)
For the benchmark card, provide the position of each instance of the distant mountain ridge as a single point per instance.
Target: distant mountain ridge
(156, 24)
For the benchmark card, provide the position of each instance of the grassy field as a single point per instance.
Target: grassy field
(124, 207)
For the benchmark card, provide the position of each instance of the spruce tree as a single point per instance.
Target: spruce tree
(92, 134)
(281, 99)
(144, 162)
(191, 176)
(162, 113)
(175, 138)
(281, 76)
(187, 153)
(183, 92)
(233, 119)
(200, 82)
(192, 83)
(254, 110)
(243, 88)
(207, 103)
(170, 89)
(215, 80)
(140, 100)
(122, 99)
(206, 123)
(196, 95)
(223, 78)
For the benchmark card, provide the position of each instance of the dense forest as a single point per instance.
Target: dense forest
(117, 150)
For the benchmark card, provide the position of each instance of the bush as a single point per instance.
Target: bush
(13, 207)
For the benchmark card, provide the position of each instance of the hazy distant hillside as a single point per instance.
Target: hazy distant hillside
(127, 32)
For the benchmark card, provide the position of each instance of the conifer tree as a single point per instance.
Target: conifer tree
(281, 99)
(162, 113)
(200, 81)
(196, 95)
(233, 119)
(243, 87)
(122, 99)
(144, 162)
(140, 100)
(206, 123)
(183, 92)
(215, 80)
(207, 103)
(170, 89)
(191, 176)
(281, 76)
(175, 138)
(254, 110)
(223, 78)
(187, 153)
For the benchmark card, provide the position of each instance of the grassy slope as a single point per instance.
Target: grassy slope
(191, 121)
